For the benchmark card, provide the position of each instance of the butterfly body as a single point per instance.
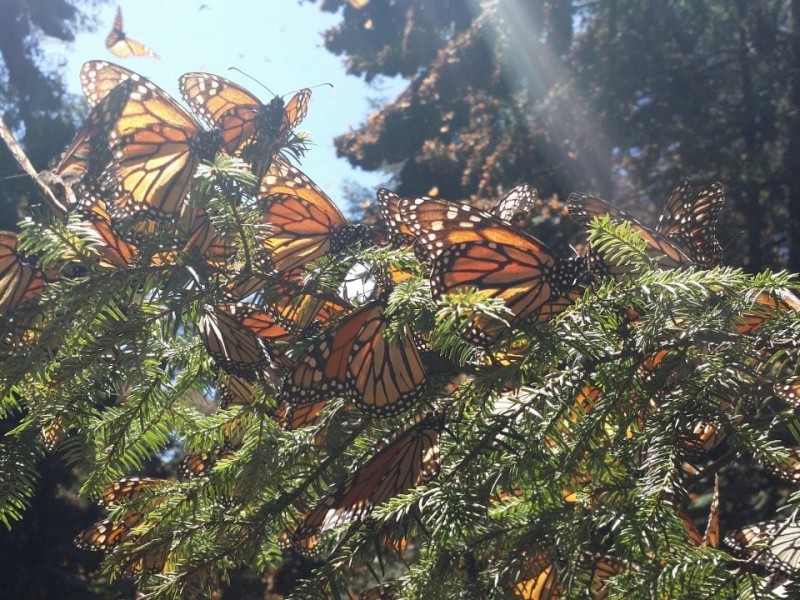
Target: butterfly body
(305, 222)
(473, 249)
(249, 127)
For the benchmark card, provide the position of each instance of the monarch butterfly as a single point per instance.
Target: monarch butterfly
(471, 248)
(788, 390)
(85, 166)
(54, 433)
(19, 281)
(306, 548)
(775, 545)
(156, 144)
(199, 464)
(354, 357)
(233, 347)
(689, 219)
(114, 251)
(106, 534)
(234, 391)
(701, 438)
(540, 582)
(788, 470)
(605, 567)
(127, 488)
(514, 208)
(767, 306)
(121, 45)
(248, 127)
(583, 208)
(306, 224)
(412, 459)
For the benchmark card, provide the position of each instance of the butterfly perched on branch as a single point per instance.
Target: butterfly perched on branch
(305, 222)
(409, 461)
(156, 144)
(254, 130)
(355, 359)
(473, 249)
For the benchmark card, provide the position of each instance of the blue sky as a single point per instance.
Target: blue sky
(279, 42)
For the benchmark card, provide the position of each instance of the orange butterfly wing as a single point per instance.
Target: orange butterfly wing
(156, 143)
(354, 358)
(470, 248)
(121, 45)
(305, 222)
(412, 459)
(19, 281)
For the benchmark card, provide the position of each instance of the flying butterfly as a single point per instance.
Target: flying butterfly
(472, 249)
(774, 545)
(19, 280)
(584, 207)
(121, 45)
(305, 222)
(689, 219)
(354, 358)
(250, 128)
(411, 460)
(156, 144)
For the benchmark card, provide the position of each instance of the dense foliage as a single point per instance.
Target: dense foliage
(620, 98)
(493, 420)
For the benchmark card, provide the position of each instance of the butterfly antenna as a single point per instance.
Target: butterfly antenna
(238, 70)
(311, 88)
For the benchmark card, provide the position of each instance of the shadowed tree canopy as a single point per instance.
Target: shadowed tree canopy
(607, 97)
(33, 100)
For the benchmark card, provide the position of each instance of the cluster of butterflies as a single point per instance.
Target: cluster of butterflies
(127, 177)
